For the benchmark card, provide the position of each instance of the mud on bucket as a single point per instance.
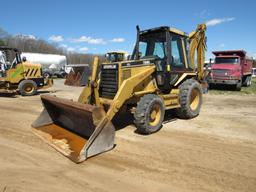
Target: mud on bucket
(76, 130)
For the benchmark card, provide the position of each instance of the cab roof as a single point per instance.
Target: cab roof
(122, 52)
(163, 28)
(240, 53)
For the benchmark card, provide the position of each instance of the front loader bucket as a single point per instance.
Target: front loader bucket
(76, 130)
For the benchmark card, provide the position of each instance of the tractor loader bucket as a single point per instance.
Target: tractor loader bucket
(76, 130)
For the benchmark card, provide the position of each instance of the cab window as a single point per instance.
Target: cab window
(142, 49)
(177, 53)
(152, 45)
(159, 50)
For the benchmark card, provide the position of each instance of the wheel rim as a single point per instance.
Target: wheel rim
(46, 75)
(155, 115)
(29, 88)
(194, 99)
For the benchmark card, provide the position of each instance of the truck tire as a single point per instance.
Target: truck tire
(149, 114)
(27, 88)
(47, 75)
(248, 81)
(190, 98)
(238, 86)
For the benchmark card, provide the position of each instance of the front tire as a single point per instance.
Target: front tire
(238, 86)
(27, 88)
(190, 98)
(149, 114)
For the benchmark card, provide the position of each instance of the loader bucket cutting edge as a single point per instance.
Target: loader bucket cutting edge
(76, 130)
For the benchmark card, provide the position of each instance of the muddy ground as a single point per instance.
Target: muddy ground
(213, 152)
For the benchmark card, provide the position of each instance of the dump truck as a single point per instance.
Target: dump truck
(162, 74)
(20, 75)
(231, 67)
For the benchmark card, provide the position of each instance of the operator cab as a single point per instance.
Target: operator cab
(115, 56)
(11, 54)
(168, 48)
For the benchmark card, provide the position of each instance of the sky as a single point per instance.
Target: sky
(98, 26)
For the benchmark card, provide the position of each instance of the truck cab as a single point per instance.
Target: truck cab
(231, 68)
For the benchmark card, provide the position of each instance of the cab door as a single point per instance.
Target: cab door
(179, 58)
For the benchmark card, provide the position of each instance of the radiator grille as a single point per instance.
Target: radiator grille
(108, 83)
(220, 72)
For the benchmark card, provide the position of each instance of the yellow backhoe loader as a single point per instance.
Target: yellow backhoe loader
(21, 75)
(115, 56)
(161, 75)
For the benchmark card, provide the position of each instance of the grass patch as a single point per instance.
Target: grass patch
(229, 90)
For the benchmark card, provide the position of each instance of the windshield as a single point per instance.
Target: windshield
(120, 56)
(114, 57)
(152, 45)
(228, 60)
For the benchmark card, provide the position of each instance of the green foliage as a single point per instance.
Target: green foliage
(2, 42)
(251, 89)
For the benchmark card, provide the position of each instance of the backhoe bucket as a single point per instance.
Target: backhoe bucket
(76, 130)
(78, 76)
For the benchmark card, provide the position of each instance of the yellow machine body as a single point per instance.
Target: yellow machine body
(23, 71)
(83, 129)
(22, 75)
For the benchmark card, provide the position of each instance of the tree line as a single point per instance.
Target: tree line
(28, 44)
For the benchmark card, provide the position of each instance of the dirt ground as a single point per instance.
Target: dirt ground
(213, 152)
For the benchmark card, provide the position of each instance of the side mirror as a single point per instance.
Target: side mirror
(24, 59)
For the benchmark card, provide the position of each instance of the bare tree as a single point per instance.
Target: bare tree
(28, 44)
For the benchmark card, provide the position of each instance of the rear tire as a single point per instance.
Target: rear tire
(27, 88)
(190, 98)
(149, 114)
(248, 81)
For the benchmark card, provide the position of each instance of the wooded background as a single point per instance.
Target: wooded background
(26, 44)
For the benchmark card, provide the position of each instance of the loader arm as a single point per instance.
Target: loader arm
(198, 44)
(90, 94)
(126, 91)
